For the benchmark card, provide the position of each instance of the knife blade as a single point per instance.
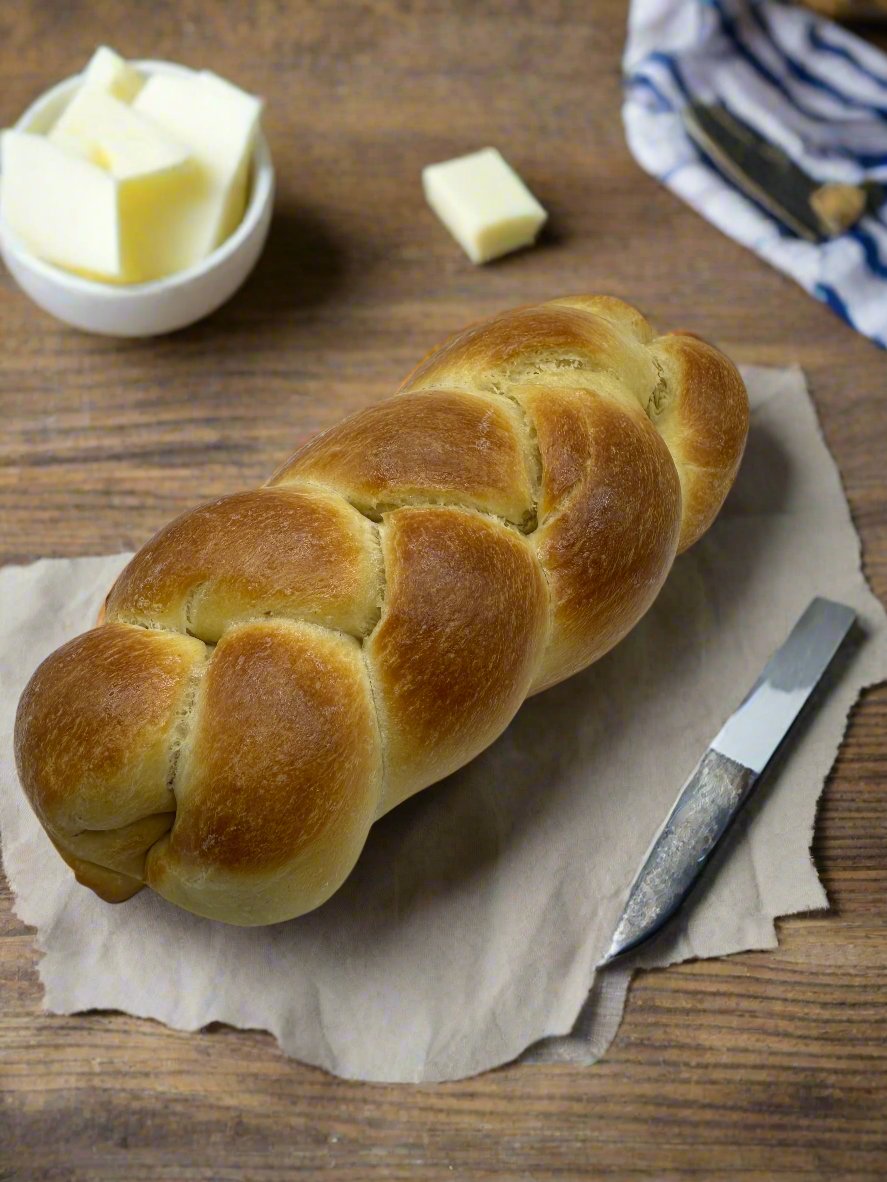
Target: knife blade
(811, 209)
(723, 779)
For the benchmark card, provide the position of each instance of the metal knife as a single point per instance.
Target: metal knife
(809, 208)
(723, 779)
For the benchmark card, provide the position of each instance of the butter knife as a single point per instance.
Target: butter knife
(723, 779)
(811, 209)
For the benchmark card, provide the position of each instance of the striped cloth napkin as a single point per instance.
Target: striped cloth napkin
(810, 87)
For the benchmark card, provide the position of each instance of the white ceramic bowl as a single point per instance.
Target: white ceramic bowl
(141, 309)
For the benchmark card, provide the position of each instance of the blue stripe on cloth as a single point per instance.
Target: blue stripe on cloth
(643, 82)
(730, 30)
(819, 44)
(870, 251)
(674, 71)
(675, 168)
(804, 75)
(869, 161)
(829, 296)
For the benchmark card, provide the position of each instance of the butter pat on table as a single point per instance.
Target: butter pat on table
(484, 204)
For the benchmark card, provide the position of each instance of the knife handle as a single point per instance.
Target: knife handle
(708, 802)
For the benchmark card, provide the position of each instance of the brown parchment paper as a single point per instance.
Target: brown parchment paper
(468, 934)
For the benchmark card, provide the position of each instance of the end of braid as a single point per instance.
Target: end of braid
(694, 397)
(700, 408)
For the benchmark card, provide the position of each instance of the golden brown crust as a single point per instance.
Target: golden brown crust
(615, 311)
(458, 644)
(109, 885)
(605, 554)
(704, 421)
(457, 447)
(98, 716)
(283, 756)
(560, 343)
(381, 608)
(94, 737)
(296, 551)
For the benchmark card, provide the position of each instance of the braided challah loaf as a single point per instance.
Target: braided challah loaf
(280, 667)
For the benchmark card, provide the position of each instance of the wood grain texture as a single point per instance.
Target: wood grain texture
(758, 1067)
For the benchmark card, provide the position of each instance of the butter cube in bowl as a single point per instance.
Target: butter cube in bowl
(117, 222)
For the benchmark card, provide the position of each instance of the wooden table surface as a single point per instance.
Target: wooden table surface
(760, 1066)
